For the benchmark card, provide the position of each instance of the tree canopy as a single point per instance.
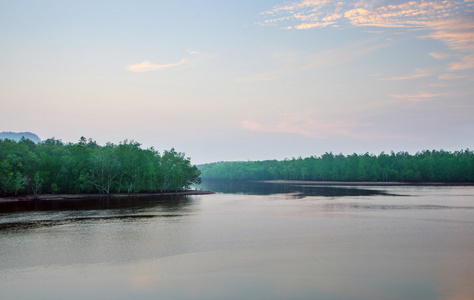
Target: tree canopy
(86, 167)
(425, 166)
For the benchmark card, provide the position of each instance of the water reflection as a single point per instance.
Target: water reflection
(170, 203)
(234, 246)
(297, 190)
(25, 224)
(26, 215)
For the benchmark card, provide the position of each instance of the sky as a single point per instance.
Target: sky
(244, 80)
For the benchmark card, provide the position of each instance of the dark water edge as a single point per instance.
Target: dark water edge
(298, 188)
(47, 197)
(97, 202)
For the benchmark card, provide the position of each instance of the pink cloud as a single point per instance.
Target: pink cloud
(418, 97)
(418, 73)
(445, 19)
(467, 62)
(252, 125)
(438, 55)
(451, 76)
(307, 124)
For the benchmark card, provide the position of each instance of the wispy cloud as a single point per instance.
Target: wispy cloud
(316, 123)
(447, 20)
(307, 125)
(418, 97)
(346, 53)
(418, 73)
(288, 62)
(452, 76)
(147, 66)
(193, 52)
(310, 126)
(467, 62)
(456, 32)
(254, 126)
(297, 62)
(438, 55)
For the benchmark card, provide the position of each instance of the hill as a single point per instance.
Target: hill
(16, 136)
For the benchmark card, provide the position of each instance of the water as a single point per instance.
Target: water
(277, 242)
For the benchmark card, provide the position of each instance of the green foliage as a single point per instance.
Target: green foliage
(86, 167)
(425, 166)
(181, 174)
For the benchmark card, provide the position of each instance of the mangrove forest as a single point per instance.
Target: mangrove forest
(85, 167)
(425, 166)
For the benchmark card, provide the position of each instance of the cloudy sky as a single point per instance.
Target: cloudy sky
(242, 80)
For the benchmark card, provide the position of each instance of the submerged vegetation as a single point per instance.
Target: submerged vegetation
(86, 167)
(425, 166)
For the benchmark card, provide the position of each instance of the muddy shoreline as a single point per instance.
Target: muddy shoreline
(60, 197)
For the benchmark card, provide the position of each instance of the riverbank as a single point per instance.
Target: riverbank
(60, 197)
(370, 183)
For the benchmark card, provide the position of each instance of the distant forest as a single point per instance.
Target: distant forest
(425, 166)
(86, 167)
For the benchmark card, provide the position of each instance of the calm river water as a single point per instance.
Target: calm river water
(258, 241)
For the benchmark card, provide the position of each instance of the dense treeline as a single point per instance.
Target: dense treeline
(425, 166)
(86, 167)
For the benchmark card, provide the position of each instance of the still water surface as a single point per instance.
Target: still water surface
(273, 242)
